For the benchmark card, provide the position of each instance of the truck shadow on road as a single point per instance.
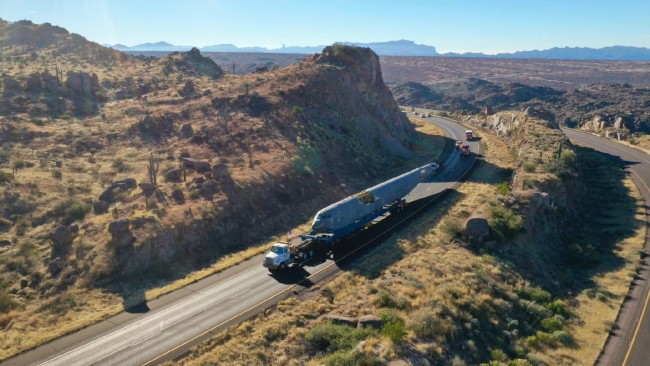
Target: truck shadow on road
(293, 276)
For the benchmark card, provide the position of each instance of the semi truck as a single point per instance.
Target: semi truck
(338, 221)
(469, 135)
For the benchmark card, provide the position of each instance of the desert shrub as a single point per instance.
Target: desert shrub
(536, 294)
(559, 307)
(56, 174)
(354, 358)
(393, 327)
(505, 221)
(4, 156)
(61, 304)
(498, 355)
(297, 110)
(5, 224)
(335, 337)
(503, 188)
(194, 195)
(552, 324)
(532, 311)
(529, 167)
(563, 337)
(386, 299)
(633, 142)
(119, 165)
(328, 293)
(7, 302)
(425, 323)
(22, 224)
(19, 164)
(6, 177)
(71, 210)
(568, 157)
(451, 229)
(11, 203)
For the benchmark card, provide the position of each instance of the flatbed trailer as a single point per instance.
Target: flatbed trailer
(341, 220)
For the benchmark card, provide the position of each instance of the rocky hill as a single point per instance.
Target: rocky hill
(594, 107)
(112, 166)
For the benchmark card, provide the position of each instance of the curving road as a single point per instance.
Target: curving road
(165, 328)
(629, 343)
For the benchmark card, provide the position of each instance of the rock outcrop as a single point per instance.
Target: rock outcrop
(61, 240)
(100, 207)
(147, 188)
(371, 321)
(340, 319)
(121, 237)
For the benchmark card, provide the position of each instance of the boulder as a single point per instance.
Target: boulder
(198, 165)
(477, 226)
(61, 238)
(174, 175)
(128, 183)
(188, 90)
(139, 222)
(185, 154)
(120, 186)
(177, 195)
(5, 243)
(186, 131)
(340, 319)
(147, 188)
(100, 207)
(370, 321)
(219, 171)
(11, 87)
(107, 196)
(197, 139)
(211, 186)
(74, 229)
(55, 266)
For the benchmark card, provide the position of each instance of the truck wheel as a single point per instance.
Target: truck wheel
(283, 266)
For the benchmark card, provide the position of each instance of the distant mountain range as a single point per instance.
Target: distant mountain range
(390, 48)
(410, 48)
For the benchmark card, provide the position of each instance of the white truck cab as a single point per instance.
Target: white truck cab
(279, 257)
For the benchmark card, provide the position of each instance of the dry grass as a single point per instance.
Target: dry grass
(598, 307)
(415, 266)
(416, 273)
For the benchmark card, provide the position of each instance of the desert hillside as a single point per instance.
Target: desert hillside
(511, 269)
(596, 107)
(119, 174)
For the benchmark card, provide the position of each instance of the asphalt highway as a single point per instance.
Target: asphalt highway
(165, 328)
(629, 343)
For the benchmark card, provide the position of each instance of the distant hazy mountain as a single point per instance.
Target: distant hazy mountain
(390, 48)
(584, 53)
(572, 53)
(233, 48)
(410, 48)
(158, 46)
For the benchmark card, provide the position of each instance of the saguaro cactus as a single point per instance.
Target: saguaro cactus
(152, 168)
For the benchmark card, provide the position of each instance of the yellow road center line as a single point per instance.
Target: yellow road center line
(647, 298)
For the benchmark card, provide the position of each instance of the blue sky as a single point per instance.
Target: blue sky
(488, 26)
